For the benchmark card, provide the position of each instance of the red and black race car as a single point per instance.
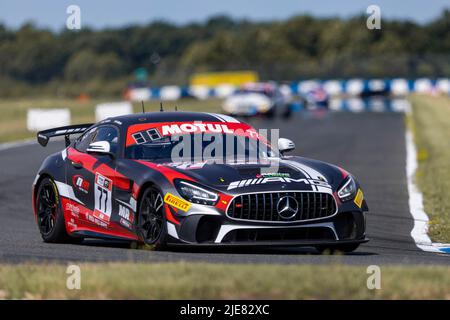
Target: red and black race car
(171, 178)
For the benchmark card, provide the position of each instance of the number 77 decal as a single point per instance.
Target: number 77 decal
(103, 198)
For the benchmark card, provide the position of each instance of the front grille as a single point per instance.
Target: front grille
(263, 206)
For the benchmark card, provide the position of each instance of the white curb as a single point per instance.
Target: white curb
(16, 144)
(419, 232)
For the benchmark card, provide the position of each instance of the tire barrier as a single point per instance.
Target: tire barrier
(374, 104)
(333, 87)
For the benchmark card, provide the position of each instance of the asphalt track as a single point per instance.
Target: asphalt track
(370, 145)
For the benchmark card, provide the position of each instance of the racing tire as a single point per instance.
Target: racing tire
(339, 248)
(271, 113)
(151, 222)
(287, 113)
(49, 214)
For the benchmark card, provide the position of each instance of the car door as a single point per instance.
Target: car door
(92, 175)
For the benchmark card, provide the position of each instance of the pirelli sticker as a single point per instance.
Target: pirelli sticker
(177, 202)
(359, 198)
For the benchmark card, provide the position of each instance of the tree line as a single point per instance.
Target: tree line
(103, 61)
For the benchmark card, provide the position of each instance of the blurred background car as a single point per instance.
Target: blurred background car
(317, 98)
(263, 98)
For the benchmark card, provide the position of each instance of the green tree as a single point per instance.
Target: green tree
(87, 65)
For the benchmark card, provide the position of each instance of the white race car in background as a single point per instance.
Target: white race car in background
(257, 98)
(317, 98)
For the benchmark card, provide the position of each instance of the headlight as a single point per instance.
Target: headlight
(264, 107)
(348, 190)
(196, 194)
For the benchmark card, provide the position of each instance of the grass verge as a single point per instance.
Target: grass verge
(430, 123)
(230, 281)
(14, 112)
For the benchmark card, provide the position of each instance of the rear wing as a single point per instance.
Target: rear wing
(44, 136)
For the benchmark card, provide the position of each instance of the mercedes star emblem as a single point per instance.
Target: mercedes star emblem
(287, 207)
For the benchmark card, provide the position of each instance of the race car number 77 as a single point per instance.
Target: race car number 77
(102, 199)
(103, 203)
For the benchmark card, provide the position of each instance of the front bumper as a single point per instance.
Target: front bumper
(290, 243)
(212, 230)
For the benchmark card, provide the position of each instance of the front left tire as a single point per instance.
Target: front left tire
(152, 226)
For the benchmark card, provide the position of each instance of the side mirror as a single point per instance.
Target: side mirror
(285, 145)
(100, 147)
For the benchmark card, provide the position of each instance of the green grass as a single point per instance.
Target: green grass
(14, 112)
(212, 281)
(430, 122)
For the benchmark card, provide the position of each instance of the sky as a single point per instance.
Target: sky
(115, 13)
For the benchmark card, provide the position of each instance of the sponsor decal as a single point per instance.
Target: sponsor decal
(125, 213)
(72, 224)
(80, 212)
(74, 210)
(257, 181)
(140, 134)
(185, 165)
(80, 183)
(95, 220)
(195, 128)
(125, 223)
(273, 175)
(359, 198)
(103, 182)
(133, 204)
(100, 223)
(177, 202)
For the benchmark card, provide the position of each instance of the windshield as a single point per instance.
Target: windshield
(264, 92)
(218, 142)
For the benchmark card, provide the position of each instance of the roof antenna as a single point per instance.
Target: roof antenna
(161, 107)
(143, 109)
